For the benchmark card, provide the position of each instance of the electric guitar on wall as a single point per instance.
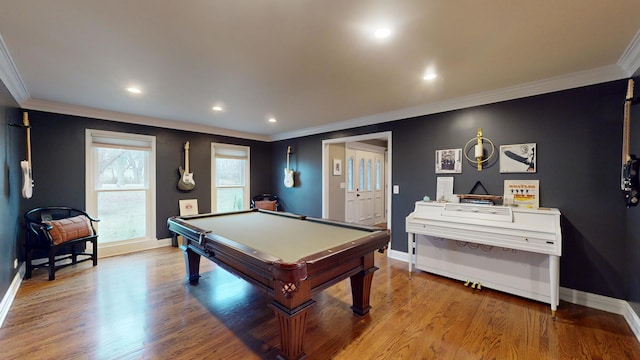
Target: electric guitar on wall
(27, 183)
(186, 182)
(629, 178)
(288, 173)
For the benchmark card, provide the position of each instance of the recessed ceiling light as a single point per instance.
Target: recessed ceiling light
(430, 76)
(382, 33)
(272, 120)
(134, 90)
(217, 108)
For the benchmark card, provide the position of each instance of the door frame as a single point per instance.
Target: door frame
(326, 166)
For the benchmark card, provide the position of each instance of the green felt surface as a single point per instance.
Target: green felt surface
(288, 239)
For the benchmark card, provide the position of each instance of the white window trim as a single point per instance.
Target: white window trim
(125, 246)
(247, 189)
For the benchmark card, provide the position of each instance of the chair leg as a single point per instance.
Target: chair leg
(29, 269)
(94, 256)
(52, 264)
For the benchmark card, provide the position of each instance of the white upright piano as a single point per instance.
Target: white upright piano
(510, 249)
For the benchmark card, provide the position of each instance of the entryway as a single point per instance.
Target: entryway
(356, 174)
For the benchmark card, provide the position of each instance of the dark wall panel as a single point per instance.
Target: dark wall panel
(12, 151)
(578, 134)
(59, 163)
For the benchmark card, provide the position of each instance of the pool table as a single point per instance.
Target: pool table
(290, 256)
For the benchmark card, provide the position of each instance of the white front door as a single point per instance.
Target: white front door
(365, 188)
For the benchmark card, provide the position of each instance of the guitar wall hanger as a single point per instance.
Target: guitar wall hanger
(186, 181)
(629, 179)
(288, 173)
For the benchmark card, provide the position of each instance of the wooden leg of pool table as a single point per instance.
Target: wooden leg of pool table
(192, 263)
(293, 325)
(361, 286)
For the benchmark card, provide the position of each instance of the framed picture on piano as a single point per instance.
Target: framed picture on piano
(522, 193)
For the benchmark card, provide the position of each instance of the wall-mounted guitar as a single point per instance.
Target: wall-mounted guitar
(27, 180)
(629, 179)
(186, 182)
(288, 173)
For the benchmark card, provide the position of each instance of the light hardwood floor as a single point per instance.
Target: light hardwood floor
(139, 307)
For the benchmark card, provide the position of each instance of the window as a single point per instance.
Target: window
(230, 177)
(350, 173)
(120, 185)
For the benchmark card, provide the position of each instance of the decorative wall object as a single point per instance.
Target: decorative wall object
(480, 156)
(518, 158)
(522, 193)
(188, 207)
(449, 161)
(337, 167)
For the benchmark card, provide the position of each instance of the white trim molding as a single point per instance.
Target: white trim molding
(630, 59)
(564, 82)
(604, 303)
(11, 293)
(10, 76)
(127, 247)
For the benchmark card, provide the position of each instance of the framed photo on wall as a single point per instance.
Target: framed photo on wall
(518, 158)
(337, 167)
(188, 207)
(449, 161)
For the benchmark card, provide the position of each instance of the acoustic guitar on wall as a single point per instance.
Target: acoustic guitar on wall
(629, 178)
(288, 173)
(27, 180)
(186, 182)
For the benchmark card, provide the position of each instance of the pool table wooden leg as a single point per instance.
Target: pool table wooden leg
(192, 263)
(361, 286)
(293, 325)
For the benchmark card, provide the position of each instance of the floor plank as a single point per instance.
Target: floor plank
(139, 306)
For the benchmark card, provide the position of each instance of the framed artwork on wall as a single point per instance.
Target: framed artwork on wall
(337, 167)
(449, 161)
(518, 158)
(188, 207)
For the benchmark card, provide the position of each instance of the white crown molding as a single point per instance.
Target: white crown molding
(10, 76)
(630, 59)
(565, 82)
(49, 106)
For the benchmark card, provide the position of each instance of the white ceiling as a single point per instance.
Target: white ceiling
(314, 65)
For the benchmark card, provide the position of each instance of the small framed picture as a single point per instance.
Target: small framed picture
(188, 207)
(525, 193)
(337, 167)
(518, 158)
(449, 161)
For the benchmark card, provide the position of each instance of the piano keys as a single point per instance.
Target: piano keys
(510, 249)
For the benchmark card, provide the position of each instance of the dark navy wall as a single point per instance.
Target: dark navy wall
(578, 134)
(58, 143)
(12, 151)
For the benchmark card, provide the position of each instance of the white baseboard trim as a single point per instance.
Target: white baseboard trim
(604, 303)
(7, 300)
(398, 255)
(121, 248)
